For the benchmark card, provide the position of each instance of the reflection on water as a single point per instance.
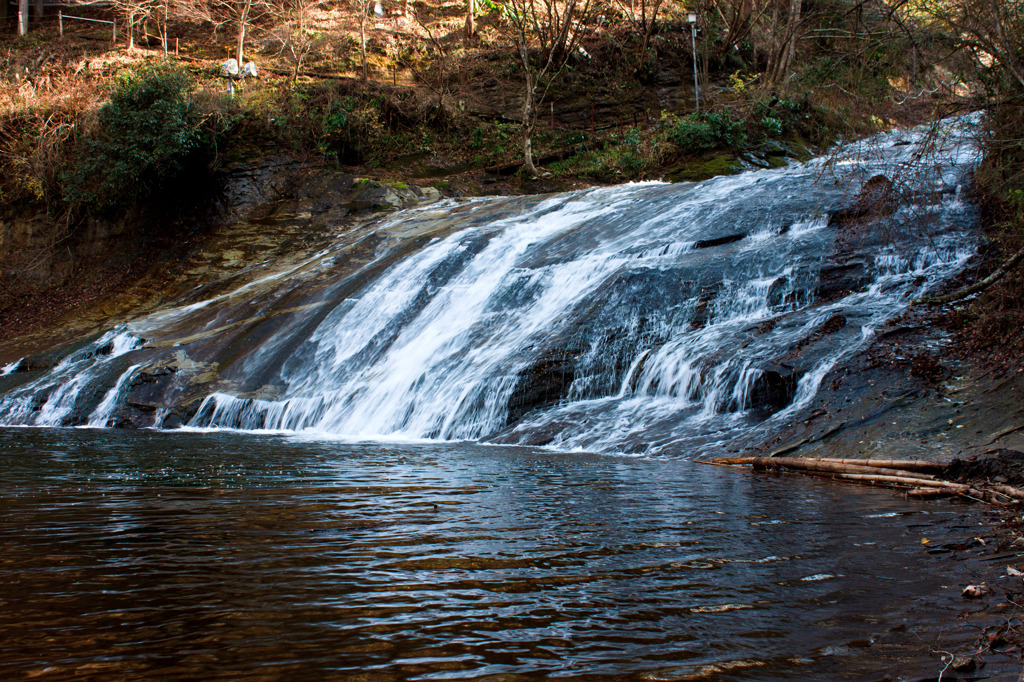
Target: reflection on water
(186, 555)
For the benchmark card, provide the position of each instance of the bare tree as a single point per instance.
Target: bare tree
(135, 13)
(545, 34)
(297, 34)
(243, 8)
(442, 85)
(788, 22)
(363, 9)
(737, 18)
(991, 31)
(641, 16)
(240, 15)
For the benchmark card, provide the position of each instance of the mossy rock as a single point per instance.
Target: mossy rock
(695, 169)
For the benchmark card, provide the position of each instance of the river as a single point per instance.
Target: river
(178, 555)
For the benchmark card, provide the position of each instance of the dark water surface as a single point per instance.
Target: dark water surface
(223, 555)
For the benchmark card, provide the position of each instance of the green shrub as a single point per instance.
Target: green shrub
(701, 132)
(620, 156)
(146, 141)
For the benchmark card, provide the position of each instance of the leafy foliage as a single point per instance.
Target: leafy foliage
(146, 141)
(703, 131)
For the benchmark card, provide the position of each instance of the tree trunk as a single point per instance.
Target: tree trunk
(648, 29)
(243, 20)
(528, 151)
(240, 44)
(362, 40)
(783, 57)
(22, 17)
(529, 112)
(746, 10)
(470, 19)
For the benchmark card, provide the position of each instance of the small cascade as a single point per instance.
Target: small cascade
(641, 318)
(105, 410)
(51, 398)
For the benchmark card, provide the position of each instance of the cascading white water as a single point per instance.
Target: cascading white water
(50, 399)
(639, 318)
(101, 416)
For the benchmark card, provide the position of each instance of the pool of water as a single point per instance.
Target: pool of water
(152, 554)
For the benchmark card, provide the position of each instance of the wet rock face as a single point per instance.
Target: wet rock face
(877, 198)
(848, 270)
(635, 315)
(841, 277)
(773, 390)
(635, 309)
(543, 383)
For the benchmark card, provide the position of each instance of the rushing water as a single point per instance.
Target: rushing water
(173, 555)
(646, 318)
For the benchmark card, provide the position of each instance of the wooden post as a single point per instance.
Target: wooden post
(114, 25)
(60, 21)
(175, 47)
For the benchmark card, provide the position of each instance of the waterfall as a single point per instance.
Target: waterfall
(647, 317)
(50, 399)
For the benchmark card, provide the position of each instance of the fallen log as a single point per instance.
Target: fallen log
(928, 493)
(800, 463)
(909, 481)
(904, 464)
(913, 478)
(923, 466)
(962, 489)
(1009, 491)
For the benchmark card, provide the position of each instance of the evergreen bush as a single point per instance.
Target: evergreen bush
(701, 132)
(145, 143)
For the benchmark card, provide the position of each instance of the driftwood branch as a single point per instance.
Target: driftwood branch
(833, 467)
(916, 477)
(904, 464)
(960, 294)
